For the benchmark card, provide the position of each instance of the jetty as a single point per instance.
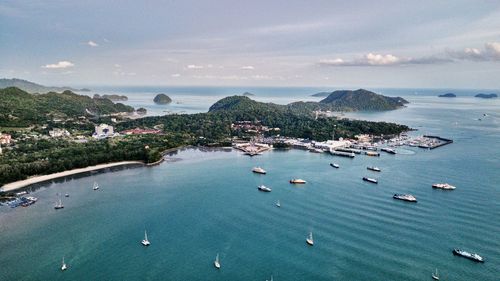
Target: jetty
(251, 148)
(435, 142)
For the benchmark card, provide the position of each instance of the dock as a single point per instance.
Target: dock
(342, 154)
(439, 141)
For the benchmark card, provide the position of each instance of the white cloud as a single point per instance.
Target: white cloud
(490, 52)
(117, 65)
(372, 59)
(175, 75)
(247, 67)
(92, 44)
(60, 64)
(194, 66)
(376, 59)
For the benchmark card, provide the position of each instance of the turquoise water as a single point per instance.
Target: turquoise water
(205, 203)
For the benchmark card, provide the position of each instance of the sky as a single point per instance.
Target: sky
(400, 44)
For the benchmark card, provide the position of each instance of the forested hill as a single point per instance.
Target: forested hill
(19, 108)
(362, 100)
(33, 88)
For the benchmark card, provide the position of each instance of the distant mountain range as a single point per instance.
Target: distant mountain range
(359, 100)
(486, 96)
(448, 95)
(34, 88)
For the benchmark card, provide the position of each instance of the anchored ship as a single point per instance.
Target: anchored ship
(259, 170)
(444, 186)
(264, 188)
(375, 169)
(405, 197)
(471, 256)
(297, 181)
(372, 180)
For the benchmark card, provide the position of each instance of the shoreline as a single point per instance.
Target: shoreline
(44, 178)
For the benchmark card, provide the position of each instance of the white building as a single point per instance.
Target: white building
(103, 131)
(58, 133)
(5, 138)
(332, 144)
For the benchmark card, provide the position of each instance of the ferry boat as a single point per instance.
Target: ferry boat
(216, 262)
(335, 165)
(372, 180)
(145, 241)
(444, 186)
(259, 170)
(388, 150)
(405, 197)
(264, 188)
(297, 181)
(63, 265)
(435, 275)
(310, 239)
(96, 186)
(375, 169)
(471, 256)
(59, 205)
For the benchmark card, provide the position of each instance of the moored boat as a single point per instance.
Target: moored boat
(444, 186)
(388, 150)
(297, 181)
(259, 170)
(264, 188)
(465, 254)
(309, 239)
(373, 168)
(405, 197)
(372, 180)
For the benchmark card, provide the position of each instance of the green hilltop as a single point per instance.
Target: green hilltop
(19, 108)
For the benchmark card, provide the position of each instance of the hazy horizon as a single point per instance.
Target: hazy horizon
(393, 44)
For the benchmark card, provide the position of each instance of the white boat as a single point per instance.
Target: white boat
(278, 204)
(216, 262)
(264, 188)
(259, 170)
(335, 165)
(444, 186)
(63, 265)
(297, 181)
(59, 205)
(435, 275)
(145, 241)
(96, 186)
(310, 239)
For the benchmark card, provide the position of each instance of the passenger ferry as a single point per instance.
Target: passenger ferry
(375, 169)
(372, 180)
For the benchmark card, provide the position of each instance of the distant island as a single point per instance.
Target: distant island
(486, 96)
(141, 111)
(34, 88)
(321, 94)
(448, 95)
(162, 99)
(247, 94)
(112, 97)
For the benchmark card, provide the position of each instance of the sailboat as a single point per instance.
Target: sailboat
(145, 241)
(278, 204)
(63, 266)
(216, 262)
(309, 239)
(96, 186)
(435, 275)
(59, 205)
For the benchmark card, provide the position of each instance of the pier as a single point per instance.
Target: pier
(435, 142)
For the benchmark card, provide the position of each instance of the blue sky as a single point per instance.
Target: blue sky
(454, 44)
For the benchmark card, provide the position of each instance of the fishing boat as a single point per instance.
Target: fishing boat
(310, 240)
(96, 186)
(59, 205)
(372, 180)
(145, 241)
(297, 181)
(264, 188)
(259, 170)
(216, 262)
(278, 204)
(435, 275)
(335, 165)
(63, 265)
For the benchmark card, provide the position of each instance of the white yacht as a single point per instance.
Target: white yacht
(216, 262)
(278, 204)
(145, 241)
(96, 186)
(264, 188)
(259, 170)
(444, 186)
(310, 239)
(63, 265)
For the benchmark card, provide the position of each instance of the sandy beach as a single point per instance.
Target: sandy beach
(38, 179)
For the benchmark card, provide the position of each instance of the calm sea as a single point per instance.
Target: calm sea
(202, 203)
